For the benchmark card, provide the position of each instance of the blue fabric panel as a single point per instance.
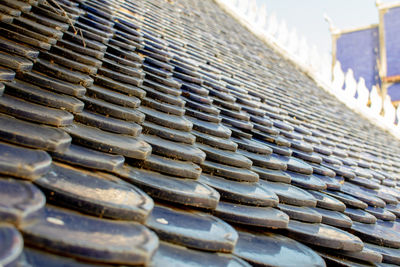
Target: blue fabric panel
(359, 51)
(394, 91)
(392, 40)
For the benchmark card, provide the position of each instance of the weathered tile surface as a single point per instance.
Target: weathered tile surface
(176, 101)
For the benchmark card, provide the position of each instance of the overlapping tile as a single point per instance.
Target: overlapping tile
(177, 99)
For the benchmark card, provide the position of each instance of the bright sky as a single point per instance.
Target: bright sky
(308, 17)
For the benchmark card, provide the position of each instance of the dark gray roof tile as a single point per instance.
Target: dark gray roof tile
(304, 214)
(324, 236)
(20, 201)
(249, 193)
(88, 158)
(11, 244)
(109, 124)
(265, 217)
(81, 236)
(109, 142)
(23, 162)
(270, 249)
(192, 229)
(95, 193)
(33, 135)
(22, 109)
(183, 191)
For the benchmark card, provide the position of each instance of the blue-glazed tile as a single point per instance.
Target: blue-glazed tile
(180, 256)
(89, 238)
(192, 229)
(274, 250)
(95, 193)
(11, 244)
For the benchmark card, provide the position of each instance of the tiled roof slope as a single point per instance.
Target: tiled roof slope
(171, 136)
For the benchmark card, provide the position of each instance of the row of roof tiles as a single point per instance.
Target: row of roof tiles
(154, 132)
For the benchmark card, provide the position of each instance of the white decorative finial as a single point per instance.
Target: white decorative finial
(325, 70)
(315, 59)
(262, 16)
(332, 27)
(398, 115)
(350, 85)
(272, 24)
(390, 111)
(376, 101)
(363, 93)
(378, 3)
(338, 77)
(303, 50)
(293, 42)
(251, 11)
(283, 33)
